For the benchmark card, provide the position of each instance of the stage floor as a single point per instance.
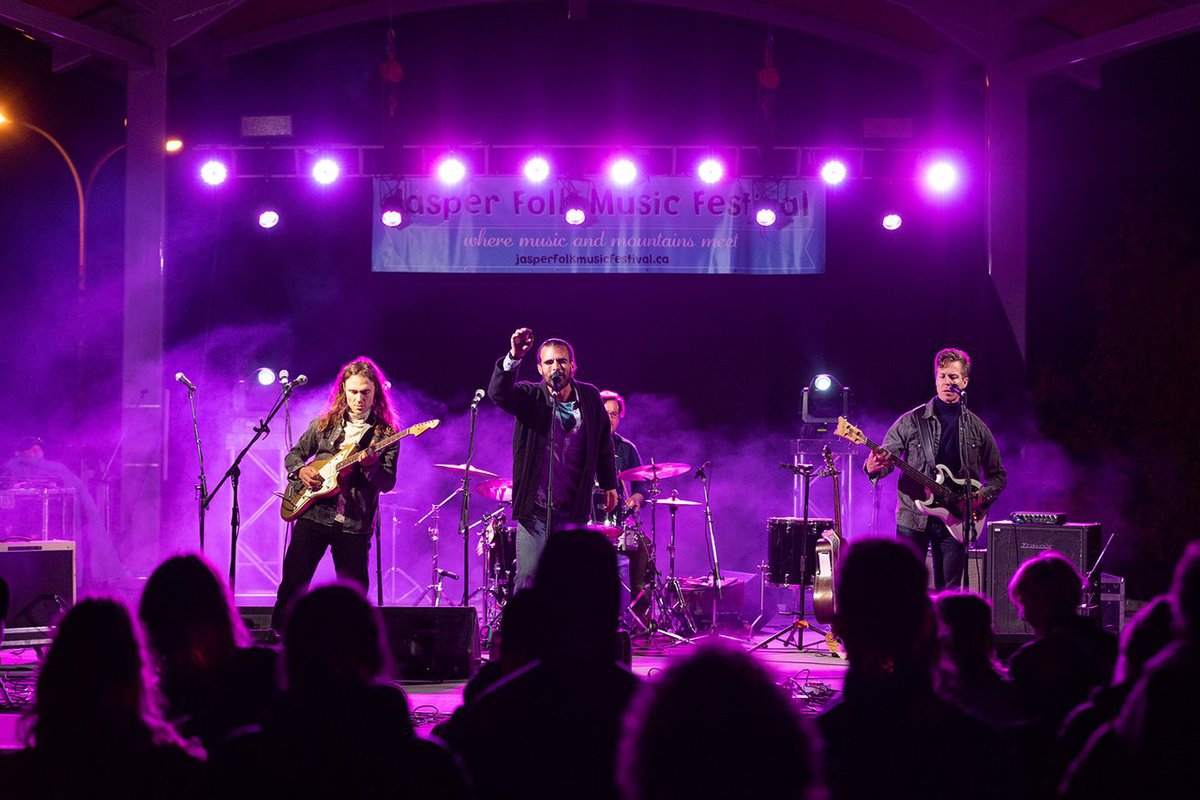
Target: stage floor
(813, 675)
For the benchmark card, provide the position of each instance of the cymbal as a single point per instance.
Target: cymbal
(476, 472)
(675, 501)
(649, 472)
(499, 490)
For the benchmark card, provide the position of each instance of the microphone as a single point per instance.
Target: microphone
(478, 397)
(557, 380)
(700, 473)
(958, 390)
(179, 376)
(300, 381)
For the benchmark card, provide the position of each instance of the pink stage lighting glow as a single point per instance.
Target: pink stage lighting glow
(941, 177)
(391, 218)
(266, 376)
(325, 171)
(268, 219)
(537, 169)
(710, 170)
(892, 221)
(575, 210)
(766, 216)
(214, 173)
(451, 171)
(623, 172)
(833, 172)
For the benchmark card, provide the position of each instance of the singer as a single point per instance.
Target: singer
(925, 437)
(583, 447)
(358, 411)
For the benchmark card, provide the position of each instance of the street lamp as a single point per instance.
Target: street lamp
(4, 120)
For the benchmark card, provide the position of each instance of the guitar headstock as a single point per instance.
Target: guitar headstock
(421, 427)
(848, 431)
(827, 454)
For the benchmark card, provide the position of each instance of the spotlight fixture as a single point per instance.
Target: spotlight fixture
(537, 169)
(710, 171)
(941, 177)
(892, 221)
(265, 376)
(173, 145)
(214, 172)
(623, 172)
(268, 219)
(824, 399)
(833, 172)
(391, 209)
(767, 214)
(325, 171)
(451, 170)
(575, 210)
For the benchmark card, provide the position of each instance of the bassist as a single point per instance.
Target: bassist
(929, 435)
(359, 410)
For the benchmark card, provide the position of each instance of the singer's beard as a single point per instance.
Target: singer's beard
(557, 381)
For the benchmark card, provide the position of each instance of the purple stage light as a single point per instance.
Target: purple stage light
(575, 210)
(268, 219)
(892, 221)
(833, 172)
(451, 170)
(391, 218)
(537, 169)
(265, 376)
(711, 170)
(623, 172)
(823, 382)
(214, 172)
(766, 216)
(941, 177)
(325, 171)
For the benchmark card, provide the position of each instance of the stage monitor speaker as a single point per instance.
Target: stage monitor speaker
(1010, 545)
(432, 644)
(41, 584)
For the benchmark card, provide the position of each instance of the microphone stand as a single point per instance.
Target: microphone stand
(202, 481)
(464, 519)
(969, 532)
(233, 475)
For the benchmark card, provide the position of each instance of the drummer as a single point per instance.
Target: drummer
(626, 454)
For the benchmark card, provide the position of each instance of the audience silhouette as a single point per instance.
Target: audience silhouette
(968, 674)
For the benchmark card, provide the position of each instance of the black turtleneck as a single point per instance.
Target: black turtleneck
(948, 417)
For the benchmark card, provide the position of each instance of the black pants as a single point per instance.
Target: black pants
(949, 554)
(309, 543)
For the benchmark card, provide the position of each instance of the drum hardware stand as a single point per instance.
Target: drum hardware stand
(711, 534)
(794, 631)
(762, 597)
(434, 589)
(394, 570)
(652, 626)
(492, 599)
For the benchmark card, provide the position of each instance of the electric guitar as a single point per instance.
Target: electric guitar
(297, 497)
(823, 595)
(944, 493)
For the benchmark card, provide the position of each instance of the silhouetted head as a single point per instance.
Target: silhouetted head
(1048, 590)
(190, 620)
(883, 610)
(93, 688)
(521, 630)
(1149, 630)
(714, 724)
(580, 592)
(1185, 591)
(965, 628)
(332, 638)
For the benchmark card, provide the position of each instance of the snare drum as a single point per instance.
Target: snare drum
(791, 549)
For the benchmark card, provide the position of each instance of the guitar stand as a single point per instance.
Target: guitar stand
(794, 634)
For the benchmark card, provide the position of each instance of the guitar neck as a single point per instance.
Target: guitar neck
(376, 447)
(939, 489)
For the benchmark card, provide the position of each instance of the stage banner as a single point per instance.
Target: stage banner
(676, 225)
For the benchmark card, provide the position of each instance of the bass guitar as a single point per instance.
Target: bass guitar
(297, 497)
(827, 547)
(944, 494)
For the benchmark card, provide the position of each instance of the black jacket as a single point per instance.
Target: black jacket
(531, 404)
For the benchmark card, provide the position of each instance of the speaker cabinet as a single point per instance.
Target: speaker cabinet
(41, 584)
(431, 644)
(1010, 545)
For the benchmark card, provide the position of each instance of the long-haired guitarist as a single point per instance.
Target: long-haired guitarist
(929, 436)
(358, 411)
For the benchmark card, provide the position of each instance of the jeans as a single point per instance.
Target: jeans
(949, 554)
(531, 541)
(309, 542)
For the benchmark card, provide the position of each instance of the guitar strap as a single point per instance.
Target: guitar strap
(925, 433)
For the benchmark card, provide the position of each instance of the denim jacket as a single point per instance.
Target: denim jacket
(361, 487)
(903, 439)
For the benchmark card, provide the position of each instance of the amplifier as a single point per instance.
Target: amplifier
(432, 643)
(1010, 545)
(41, 583)
(1112, 603)
(1038, 518)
